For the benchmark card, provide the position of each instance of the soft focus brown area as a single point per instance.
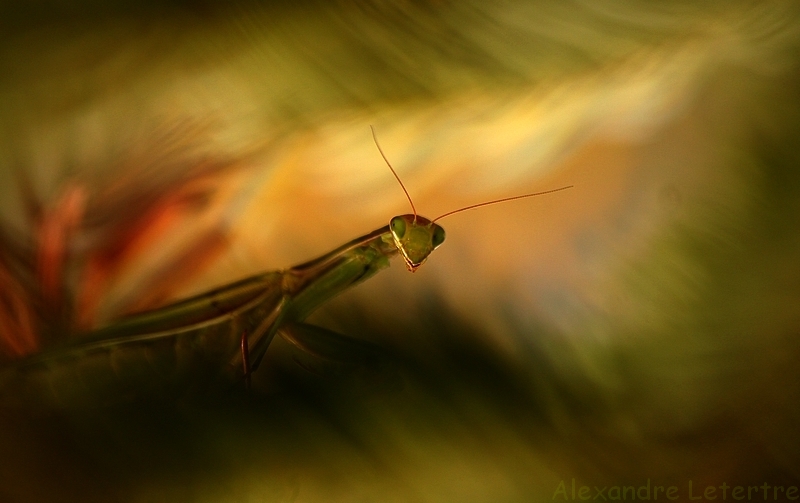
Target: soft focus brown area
(642, 326)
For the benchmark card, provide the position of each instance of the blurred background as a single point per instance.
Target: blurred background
(641, 326)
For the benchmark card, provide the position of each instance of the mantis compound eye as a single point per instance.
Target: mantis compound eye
(438, 236)
(398, 227)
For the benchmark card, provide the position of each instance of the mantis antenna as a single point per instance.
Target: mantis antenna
(375, 137)
(487, 203)
(465, 208)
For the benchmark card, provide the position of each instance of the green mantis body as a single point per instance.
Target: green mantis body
(216, 339)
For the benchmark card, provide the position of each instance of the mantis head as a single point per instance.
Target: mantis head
(415, 237)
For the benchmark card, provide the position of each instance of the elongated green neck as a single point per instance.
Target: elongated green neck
(312, 283)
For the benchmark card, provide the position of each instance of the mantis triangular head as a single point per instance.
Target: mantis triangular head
(415, 237)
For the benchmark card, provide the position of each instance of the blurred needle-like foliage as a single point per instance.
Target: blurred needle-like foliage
(640, 328)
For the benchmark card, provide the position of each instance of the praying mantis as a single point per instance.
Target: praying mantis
(218, 338)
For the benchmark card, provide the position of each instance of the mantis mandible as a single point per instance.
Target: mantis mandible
(220, 337)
